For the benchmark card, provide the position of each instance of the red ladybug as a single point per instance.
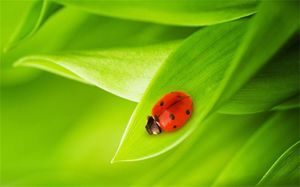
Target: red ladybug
(170, 113)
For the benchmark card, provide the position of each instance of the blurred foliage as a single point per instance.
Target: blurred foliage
(243, 76)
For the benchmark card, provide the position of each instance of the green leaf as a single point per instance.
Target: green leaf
(290, 103)
(196, 68)
(179, 12)
(285, 171)
(202, 154)
(38, 14)
(254, 53)
(68, 139)
(279, 78)
(93, 78)
(202, 67)
(122, 72)
(10, 20)
(272, 85)
(282, 131)
(82, 31)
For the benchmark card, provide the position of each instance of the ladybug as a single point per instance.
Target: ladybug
(170, 113)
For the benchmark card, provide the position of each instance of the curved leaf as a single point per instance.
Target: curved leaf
(179, 12)
(83, 31)
(254, 53)
(217, 142)
(285, 171)
(272, 85)
(80, 31)
(260, 148)
(290, 103)
(279, 78)
(202, 68)
(202, 154)
(40, 11)
(119, 71)
(196, 68)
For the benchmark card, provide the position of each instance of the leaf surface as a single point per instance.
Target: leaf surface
(195, 68)
(83, 31)
(202, 67)
(122, 72)
(130, 74)
(260, 147)
(276, 82)
(201, 153)
(38, 14)
(293, 102)
(179, 12)
(254, 53)
(285, 170)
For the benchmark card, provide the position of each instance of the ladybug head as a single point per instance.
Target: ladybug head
(152, 126)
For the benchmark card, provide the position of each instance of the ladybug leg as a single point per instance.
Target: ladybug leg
(152, 126)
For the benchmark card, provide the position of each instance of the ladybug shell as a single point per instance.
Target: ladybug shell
(173, 110)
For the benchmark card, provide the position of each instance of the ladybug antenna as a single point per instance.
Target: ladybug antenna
(152, 126)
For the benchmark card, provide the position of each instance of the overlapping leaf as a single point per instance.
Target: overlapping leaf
(196, 67)
(254, 53)
(238, 133)
(122, 72)
(75, 33)
(204, 75)
(202, 154)
(199, 66)
(40, 11)
(275, 83)
(179, 12)
(261, 147)
(293, 102)
(285, 171)
(278, 79)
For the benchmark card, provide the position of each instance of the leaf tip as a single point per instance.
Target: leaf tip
(19, 62)
(8, 47)
(113, 161)
(116, 160)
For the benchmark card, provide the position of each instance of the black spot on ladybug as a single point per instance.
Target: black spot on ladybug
(161, 103)
(187, 112)
(174, 127)
(172, 117)
(179, 96)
